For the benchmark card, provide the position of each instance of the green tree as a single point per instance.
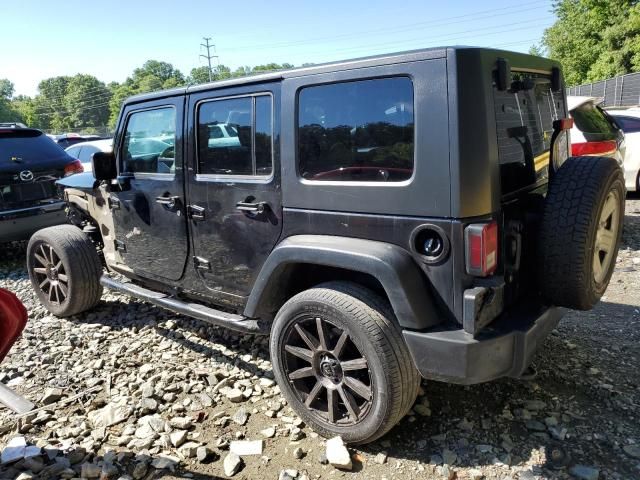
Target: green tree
(49, 108)
(78, 103)
(8, 113)
(155, 75)
(537, 50)
(120, 93)
(25, 108)
(201, 74)
(198, 75)
(152, 76)
(6, 89)
(86, 103)
(595, 39)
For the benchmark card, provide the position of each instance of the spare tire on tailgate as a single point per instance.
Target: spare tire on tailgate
(580, 231)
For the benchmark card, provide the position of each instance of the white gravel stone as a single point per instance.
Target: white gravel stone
(337, 454)
(178, 437)
(246, 447)
(111, 414)
(232, 464)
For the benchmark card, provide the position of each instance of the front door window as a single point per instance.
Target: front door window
(149, 142)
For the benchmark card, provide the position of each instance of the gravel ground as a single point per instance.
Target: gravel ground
(132, 391)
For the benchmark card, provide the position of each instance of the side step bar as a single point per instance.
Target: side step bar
(195, 310)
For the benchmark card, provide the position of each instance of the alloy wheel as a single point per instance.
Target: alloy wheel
(50, 274)
(606, 236)
(327, 371)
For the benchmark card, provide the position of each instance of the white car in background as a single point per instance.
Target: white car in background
(83, 151)
(223, 135)
(594, 132)
(629, 122)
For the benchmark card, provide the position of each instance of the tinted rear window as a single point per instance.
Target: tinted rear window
(524, 122)
(27, 145)
(593, 123)
(357, 131)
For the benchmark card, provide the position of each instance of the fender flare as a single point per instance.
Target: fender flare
(395, 269)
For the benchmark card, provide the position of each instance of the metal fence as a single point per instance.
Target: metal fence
(622, 91)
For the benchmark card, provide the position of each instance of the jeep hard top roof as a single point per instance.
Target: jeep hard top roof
(371, 61)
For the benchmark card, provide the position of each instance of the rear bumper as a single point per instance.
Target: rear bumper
(21, 223)
(503, 350)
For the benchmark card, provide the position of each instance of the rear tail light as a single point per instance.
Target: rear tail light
(593, 148)
(481, 243)
(73, 167)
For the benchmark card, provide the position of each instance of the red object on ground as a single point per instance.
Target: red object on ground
(13, 318)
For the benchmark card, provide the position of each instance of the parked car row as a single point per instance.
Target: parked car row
(67, 139)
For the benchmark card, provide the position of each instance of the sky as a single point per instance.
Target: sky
(109, 39)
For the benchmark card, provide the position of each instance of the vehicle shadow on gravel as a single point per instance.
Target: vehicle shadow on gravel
(108, 312)
(79, 463)
(545, 423)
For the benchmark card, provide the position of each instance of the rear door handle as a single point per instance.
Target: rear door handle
(255, 208)
(169, 201)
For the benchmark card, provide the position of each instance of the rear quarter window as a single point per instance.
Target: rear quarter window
(593, 123)
(357, 131)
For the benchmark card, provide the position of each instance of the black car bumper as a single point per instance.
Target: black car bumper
(20, 224)
(504, 350)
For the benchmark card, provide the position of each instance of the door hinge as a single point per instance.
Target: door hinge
(114, 203)
(201, 263)
(120, 246)
(196, 212)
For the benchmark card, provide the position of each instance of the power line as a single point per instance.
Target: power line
(208, 56)
(444, 37)
(446, 21)
(57, 112)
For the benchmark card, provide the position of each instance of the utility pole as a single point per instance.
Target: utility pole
(208, 56)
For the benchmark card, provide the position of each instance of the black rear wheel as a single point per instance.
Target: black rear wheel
(329, 373)
(64, 268)
(341, 362)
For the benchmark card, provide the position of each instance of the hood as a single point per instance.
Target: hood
(80, 181)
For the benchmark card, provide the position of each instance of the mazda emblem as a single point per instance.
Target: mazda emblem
(26, 175)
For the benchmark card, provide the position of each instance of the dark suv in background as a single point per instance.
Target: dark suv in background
(30, 164)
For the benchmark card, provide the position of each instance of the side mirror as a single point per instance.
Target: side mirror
(104, 166)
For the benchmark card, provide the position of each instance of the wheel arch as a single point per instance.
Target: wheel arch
(303, 261)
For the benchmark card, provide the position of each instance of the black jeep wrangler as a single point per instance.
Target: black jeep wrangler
(382, 219)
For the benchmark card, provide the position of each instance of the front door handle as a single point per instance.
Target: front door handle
(169, 201)
(255, 208)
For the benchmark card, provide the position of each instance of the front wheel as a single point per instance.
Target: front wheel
(341, 362)
(64, 269)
